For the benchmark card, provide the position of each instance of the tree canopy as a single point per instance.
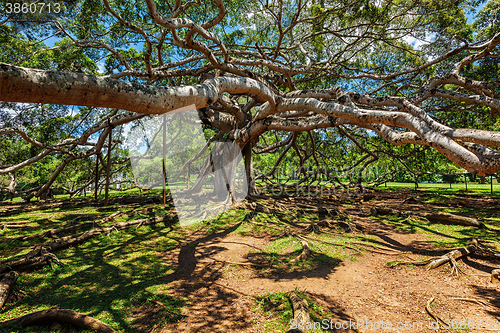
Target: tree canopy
(337, 85)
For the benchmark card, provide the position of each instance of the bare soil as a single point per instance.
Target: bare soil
(221, 296)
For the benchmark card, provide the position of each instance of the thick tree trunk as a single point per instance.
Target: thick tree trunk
(6, 285)
(60, 315)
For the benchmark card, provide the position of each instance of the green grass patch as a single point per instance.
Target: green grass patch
(277, 309)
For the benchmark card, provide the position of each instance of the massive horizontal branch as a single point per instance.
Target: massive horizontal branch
(19, 84)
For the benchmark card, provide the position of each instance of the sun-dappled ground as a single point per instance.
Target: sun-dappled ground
(232, 273)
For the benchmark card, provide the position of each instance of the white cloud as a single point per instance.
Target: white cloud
(101, 65)
(418, 42)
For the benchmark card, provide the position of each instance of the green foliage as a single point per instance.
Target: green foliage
(487, 20)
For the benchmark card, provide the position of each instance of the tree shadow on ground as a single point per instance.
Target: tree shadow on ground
(339, 318)
(275, 266)
(492, 295)
(107, 277)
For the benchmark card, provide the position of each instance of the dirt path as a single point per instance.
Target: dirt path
(221, 296)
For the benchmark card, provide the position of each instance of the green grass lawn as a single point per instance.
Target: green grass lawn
(113, 274)
(472, 188)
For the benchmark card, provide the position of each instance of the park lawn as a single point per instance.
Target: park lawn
(112, 275)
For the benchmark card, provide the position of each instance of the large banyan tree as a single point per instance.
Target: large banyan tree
(274, 77)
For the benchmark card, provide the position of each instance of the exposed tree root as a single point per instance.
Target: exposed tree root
(26, 207)
(60, 315)
(41, 255)
(411, 262)
(15, 225)
(6, 285)
(472, 300)
(378, 249)
(71, 240)
(495, 276)
(347, 225)
(263, 209)
(30, 208)
(301, 317)
(333, 212)
(306, 252)
(238, 263)
(38, 257)
(330, 243)
(439, 217)
(53, 233)
(452, 256)
(447, 218)
(432, 314)
(313, 227)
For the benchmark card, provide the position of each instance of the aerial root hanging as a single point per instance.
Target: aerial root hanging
(301, 316)
(60, 315)
(6, 285)
(438, 217)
